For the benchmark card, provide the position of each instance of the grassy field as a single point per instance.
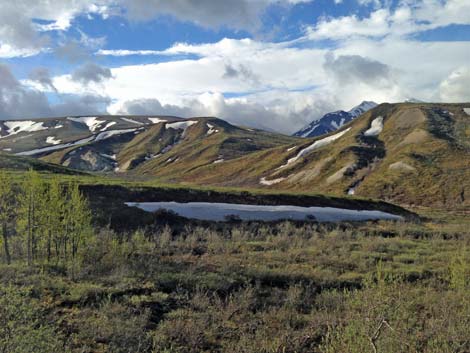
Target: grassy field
(386, 287)
(188, 286)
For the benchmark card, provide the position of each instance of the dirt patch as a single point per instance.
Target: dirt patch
(309, 174)
(339, 174)
(410, 118)
(416, 136)
(401, 166)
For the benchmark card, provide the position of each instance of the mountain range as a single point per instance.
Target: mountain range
(333, 121)
(407, 153)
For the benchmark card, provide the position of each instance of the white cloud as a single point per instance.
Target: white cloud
(240, 14)
(344, 27)
(19, 101)
(456, 87)
(21, 36)
(281, 86)
(408, 18)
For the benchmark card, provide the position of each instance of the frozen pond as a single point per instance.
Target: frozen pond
(219, 211)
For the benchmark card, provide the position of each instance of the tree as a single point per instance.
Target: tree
(77, 222)
(33, 192)
(51, 218)
(7, 210)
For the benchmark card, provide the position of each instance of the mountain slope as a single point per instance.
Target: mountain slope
(156, 146)
(408, 153)
(333, 121)
(405, 153)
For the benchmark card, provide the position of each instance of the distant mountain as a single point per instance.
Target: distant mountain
(333, 121)
(362, 108)
(150, 145)
(412, 154)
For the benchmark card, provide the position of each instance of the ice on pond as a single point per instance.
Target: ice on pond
(223, 211)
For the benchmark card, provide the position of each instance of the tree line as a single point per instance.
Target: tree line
(50, 220)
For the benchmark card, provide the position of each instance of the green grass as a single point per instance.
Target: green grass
(280, 288)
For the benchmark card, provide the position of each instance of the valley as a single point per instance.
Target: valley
(404, 153)
(156, 234)
(234, 176)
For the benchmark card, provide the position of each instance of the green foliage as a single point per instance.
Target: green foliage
(7, 211)
(53, 220)
(23, 326)
(245, 287)
(459, 276)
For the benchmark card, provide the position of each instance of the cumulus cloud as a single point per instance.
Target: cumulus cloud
(456, 87)
(22, 35)
(153, 106)
(354, 69)
(264, 111)
(91, 72)
(241, 14)
(408, 18)
(42, 76)
(280, 85)
(18, 101)
(241, 72)
(362, 69)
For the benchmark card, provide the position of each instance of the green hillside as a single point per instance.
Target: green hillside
(409, 153)
(420, 156)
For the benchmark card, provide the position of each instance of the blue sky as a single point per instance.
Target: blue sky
(274, 64)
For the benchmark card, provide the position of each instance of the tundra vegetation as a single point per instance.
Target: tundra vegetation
(67, 285)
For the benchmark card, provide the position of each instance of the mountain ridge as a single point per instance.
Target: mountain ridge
(333, 121)
(406, 153)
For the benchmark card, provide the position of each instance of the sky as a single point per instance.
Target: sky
(270, 64)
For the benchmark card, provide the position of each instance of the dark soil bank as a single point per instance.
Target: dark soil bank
(107, 201)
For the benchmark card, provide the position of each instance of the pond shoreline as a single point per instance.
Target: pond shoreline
(109, 209)
(226, 212)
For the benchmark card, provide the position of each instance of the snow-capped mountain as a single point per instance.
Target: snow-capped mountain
(122, 144)
(362, 108)
(333, 121)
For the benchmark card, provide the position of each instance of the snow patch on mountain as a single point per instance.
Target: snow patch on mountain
(107, 134)
(467, 110)
(15, 127)
(316, 145)
(56, 147)
(108, 125)
(132, 121)
(263, 181)
(157, 120)
(52, 140)
(376, 127)
(101, 136)
(181, 125)
(211, 130)
(92, 122)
